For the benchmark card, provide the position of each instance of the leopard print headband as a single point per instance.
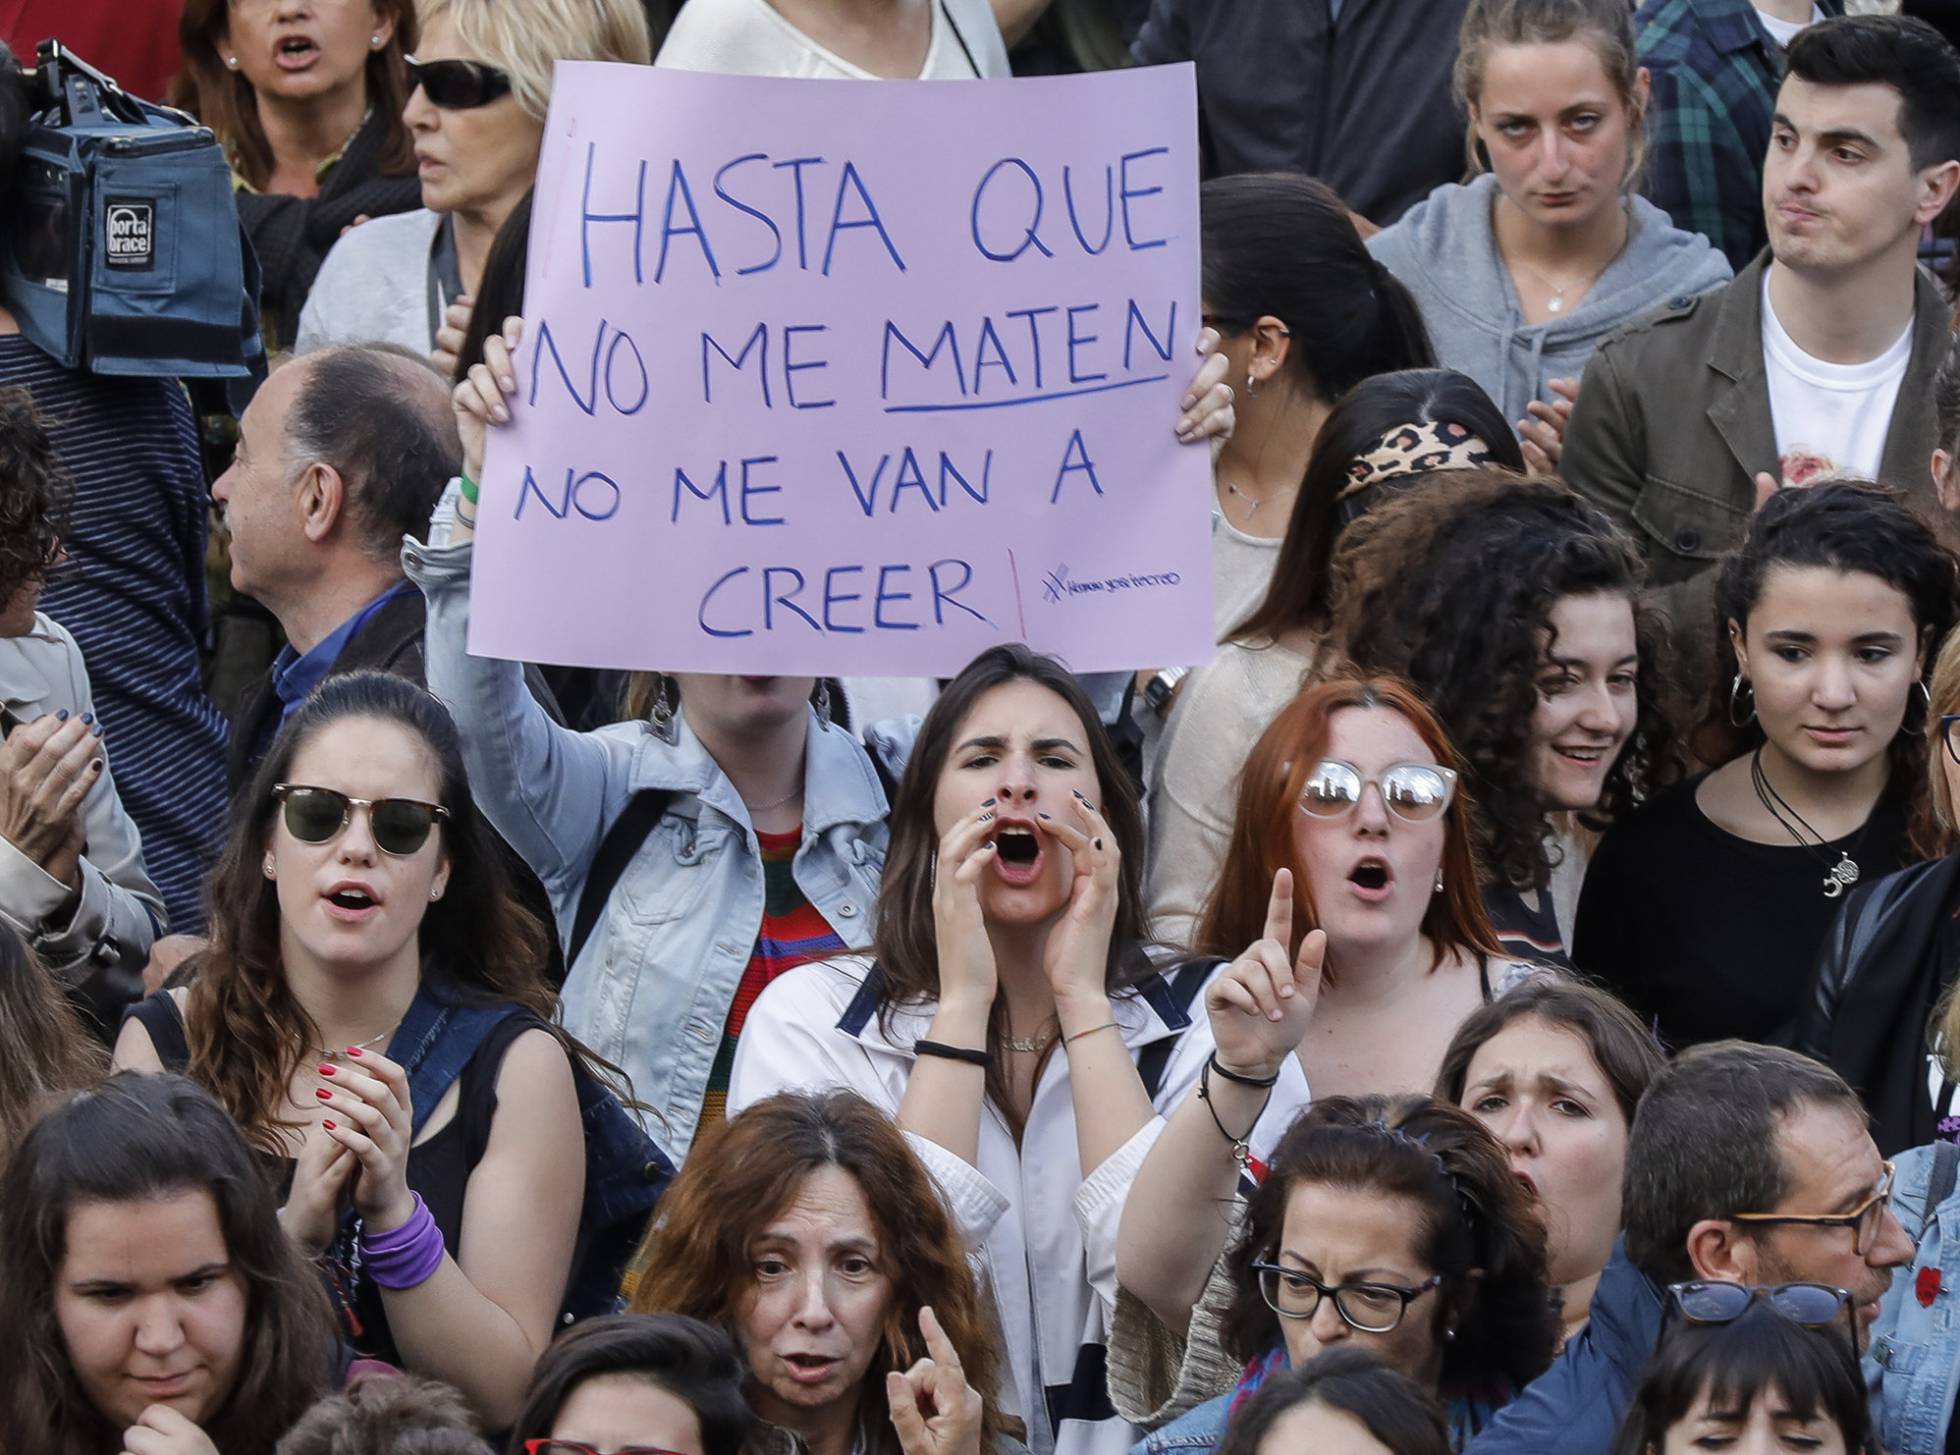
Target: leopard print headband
(1416, 449)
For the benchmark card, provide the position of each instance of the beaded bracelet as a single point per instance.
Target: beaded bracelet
(404, 1257)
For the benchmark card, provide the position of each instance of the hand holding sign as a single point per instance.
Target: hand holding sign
(860, 386)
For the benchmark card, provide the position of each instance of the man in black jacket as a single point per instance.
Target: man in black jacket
(340, 454)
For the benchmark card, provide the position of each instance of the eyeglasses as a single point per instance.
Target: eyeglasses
(1413, 792)
(458, 85)
(1946, 735)
(1814, 1305)
(1863, 1220)
(1373, 1308)
(400, 825)
(579, 1447)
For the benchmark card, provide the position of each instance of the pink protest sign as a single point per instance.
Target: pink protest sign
(837, 377)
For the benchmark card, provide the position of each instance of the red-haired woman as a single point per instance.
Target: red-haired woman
(1349, 824)
(807, 1230)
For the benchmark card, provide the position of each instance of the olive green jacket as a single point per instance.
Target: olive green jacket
(1673, 425)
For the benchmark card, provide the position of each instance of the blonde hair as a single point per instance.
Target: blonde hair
(524, 37)
(1943, 697)
(1605, 25)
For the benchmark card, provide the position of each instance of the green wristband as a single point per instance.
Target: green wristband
(468, 488)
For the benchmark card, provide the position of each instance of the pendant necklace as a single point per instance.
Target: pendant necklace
(1256, 501)
(1556, 303)
(368, 1045)
(1838, 876)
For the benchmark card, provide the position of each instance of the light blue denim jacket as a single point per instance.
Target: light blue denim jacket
(1913, 1362)
(652, 987)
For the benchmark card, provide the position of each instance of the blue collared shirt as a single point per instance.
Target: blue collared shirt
(295, 674)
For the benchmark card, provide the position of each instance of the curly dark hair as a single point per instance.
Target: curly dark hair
(36, 493)
(1849, 526)
(1452, 587)
(1475, 1217)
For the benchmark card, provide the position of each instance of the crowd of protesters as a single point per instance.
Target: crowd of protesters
(1506, 1002)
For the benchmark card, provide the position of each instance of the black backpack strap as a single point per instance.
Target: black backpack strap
(1182, 988)
(616, 850)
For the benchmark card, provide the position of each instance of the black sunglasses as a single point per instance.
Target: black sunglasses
(458, 85)
(400, 825)
(1813, 1305)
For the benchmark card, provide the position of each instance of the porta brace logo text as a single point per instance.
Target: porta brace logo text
(1058, 583)
(131, 228)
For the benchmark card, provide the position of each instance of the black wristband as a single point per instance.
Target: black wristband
(1234, 1077)
(953, 1053)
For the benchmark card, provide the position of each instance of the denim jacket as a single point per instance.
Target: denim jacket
(652, 987)
(1913, 1362)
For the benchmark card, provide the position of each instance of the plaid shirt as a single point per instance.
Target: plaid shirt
(1715, 72)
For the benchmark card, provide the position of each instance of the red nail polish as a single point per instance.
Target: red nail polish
(354, 1051)
(326, 1068)
(327, 1124)
(324, 1094)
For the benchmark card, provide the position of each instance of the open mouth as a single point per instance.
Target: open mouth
(1017, 853)
(351, 902)
(296, 52)
(1530, 1187)
(809, 1368)
(1370, 879)
(1579, 756)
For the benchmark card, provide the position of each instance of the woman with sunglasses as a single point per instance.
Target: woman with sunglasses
(361, 894)
(636, 1384)
(1704, 909)
(1755, 1371)
(479, 86)
(1350, 855)
(1512, 607)
(307, 102)
(1390, 1224)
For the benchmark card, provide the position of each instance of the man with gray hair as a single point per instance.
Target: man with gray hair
(340, 454)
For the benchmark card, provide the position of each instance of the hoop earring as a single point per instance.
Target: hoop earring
(1925, 695)
(1251, 385)
(1735, 696)
(666, 699)
(821, 702)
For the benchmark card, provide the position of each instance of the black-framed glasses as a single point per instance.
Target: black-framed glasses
(1864, 1220)
(579, 1447)
(1813, 1305)
(1373, 1308)
(1413, 792)
(1946, 735)
(314, 815)
(458, 85)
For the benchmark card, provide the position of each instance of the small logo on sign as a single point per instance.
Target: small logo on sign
(131, 233)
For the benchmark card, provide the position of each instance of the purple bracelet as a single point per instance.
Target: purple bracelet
(405, 1257)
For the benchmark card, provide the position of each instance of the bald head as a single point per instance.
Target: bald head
(380, 416)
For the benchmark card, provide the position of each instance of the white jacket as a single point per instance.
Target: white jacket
(1043, 1236)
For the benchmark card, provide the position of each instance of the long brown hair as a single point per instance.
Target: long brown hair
(907, 943)
(225, 101)
(140, 1139)
(746, 1171)
(1261, 843)
(45, 1050)
(247, 1033)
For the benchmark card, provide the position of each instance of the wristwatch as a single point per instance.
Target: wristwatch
(1158, 690)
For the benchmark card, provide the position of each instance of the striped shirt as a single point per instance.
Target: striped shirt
(792, 932)
(132, 594)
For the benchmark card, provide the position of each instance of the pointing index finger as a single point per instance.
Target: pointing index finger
(1279, 913)
(937, 1344)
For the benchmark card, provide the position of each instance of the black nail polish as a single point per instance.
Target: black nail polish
(1044, 817)
(61, 716)
(988, 803)
(986, 818)
(1079, 794)
(88, 717)
(97, 730)
(1098, 843)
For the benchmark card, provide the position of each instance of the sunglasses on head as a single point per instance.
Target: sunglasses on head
(315, 815)
(1413, 792)
(1813, 1305)
(458, 85)
(579, 1447)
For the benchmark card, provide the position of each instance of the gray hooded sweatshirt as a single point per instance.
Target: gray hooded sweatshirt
(1444, 251)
